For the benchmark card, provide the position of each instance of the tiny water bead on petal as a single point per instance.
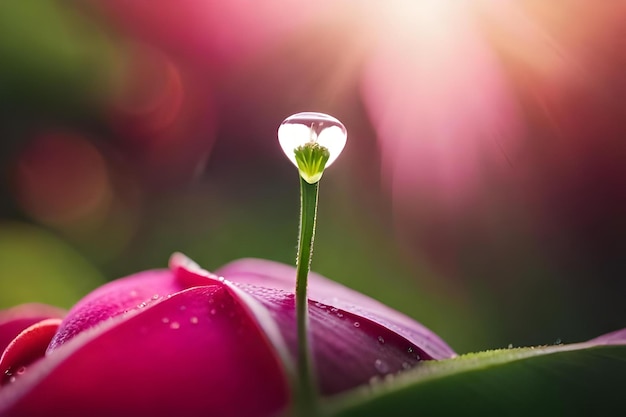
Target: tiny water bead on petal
(312, 141)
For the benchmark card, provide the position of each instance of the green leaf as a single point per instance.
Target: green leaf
(582, 379)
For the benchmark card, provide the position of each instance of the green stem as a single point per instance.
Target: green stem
(306, 401)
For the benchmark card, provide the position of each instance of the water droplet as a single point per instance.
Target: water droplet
(194, 320)
(142, 305)
(334, 310)
(165, 320)
(357, 324)
(220, 279)
(21, 370)
(374, 380)
(175, 325)
(340, 315)
(410, 349)
(510, 346)
(558, 341)
(310, 127)
(213, 311)
(381, 366)
(381, 340)
(155, 297)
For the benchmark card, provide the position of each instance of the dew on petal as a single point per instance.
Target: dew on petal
(357, 324)
(381, 366)
(374, 380)
(175, 325)
(193, 320)
(381, 340)
(165, 320)
(310, 127)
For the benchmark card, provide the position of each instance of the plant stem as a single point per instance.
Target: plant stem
(306, 401)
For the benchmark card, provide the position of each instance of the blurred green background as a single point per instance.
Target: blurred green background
(482, 190)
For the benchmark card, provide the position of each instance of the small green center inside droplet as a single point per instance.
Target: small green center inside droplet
(311, 159)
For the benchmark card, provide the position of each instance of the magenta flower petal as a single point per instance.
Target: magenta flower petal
(14, 320)
(617, 337)
(195, 353)
(28, 347)
(121, 296)
(355, 338)
(263, 273)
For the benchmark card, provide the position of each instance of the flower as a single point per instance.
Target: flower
(186, 342)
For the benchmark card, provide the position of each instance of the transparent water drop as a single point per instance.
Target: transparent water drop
(357, 324)
(374, 380)
(193, 320)
(165, 320)
(213, 311)
(381, 366)
(310, 127)
(381, 340)
(175, 325)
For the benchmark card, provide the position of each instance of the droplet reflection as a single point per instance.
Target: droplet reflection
(310, 127)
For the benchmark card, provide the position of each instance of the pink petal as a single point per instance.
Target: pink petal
(115, 298)
(266, 273)
(29, 346)
(617, 337)
(351, 344)
(196, 353)
(16, 319)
